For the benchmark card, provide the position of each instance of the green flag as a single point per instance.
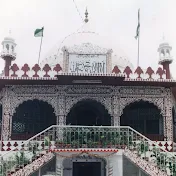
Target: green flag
(39, 32)
(138, 26)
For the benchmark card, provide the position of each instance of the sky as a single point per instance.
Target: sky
(115, 19)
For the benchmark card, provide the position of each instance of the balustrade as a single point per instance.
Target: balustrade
(56, 138)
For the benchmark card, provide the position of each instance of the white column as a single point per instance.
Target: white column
(59, 166)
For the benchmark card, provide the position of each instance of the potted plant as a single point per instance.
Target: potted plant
(47, 142)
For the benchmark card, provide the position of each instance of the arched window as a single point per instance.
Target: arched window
(12, 48)
(32, 117)
(162, 53)
(167, 52)
(88, 113)
(145, 118)
(7, 47)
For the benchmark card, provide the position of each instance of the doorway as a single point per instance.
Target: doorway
(86, 168)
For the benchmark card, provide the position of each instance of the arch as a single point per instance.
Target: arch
(7, 47)
(16, 102)
(32, 117)
(12, 47)
(144, 117)
(163, 52)
(105, 101)
(158, 102)
(88, 112)
(168, 52)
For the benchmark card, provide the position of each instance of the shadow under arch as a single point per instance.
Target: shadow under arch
(84, 165)
(88, 112)
(30, 118)
(145, 117)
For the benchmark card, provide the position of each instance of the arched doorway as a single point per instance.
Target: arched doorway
(30, 118)
(144, 117)
(88, 113)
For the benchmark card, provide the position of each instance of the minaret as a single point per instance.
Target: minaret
(8, 53)
(165, 58)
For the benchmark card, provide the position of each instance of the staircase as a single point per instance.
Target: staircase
(39, 150)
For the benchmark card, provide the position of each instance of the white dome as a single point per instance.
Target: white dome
(83, 40)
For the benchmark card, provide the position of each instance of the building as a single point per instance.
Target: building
(86, 112)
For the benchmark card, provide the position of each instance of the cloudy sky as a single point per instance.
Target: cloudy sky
(116, 19)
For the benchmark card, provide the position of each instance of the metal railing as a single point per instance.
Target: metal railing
(74, 137)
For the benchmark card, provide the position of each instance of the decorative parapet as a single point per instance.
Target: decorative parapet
(10, 145)
(141, 74)
(36, 71)
(47, 72)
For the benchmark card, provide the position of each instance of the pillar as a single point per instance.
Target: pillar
(114, 164)
(168, 125)
(116, 115)
(61, 110)
(6, 116)
(59, 166)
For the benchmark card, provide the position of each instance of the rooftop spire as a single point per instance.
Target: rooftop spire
(86, 16)
(163, 37)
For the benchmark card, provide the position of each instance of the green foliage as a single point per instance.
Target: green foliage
(13, 162)
(21, 159)
(94, 139)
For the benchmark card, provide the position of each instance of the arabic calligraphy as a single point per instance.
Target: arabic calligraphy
(87, 64)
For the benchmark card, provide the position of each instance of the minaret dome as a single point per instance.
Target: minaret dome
(165, 57)
(8, 53)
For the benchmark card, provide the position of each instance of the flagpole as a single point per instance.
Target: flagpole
(40, 49)
(138, 50)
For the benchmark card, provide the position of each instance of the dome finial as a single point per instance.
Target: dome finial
(163, 37)
(86, 16)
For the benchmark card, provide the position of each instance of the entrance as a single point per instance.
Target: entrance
(87, 169)
(84, 166)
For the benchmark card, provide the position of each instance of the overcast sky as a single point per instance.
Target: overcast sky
(116, 19)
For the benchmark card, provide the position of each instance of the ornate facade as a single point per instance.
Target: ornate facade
(63, 98)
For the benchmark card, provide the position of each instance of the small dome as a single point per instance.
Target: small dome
(9, 39)
(86, 41)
